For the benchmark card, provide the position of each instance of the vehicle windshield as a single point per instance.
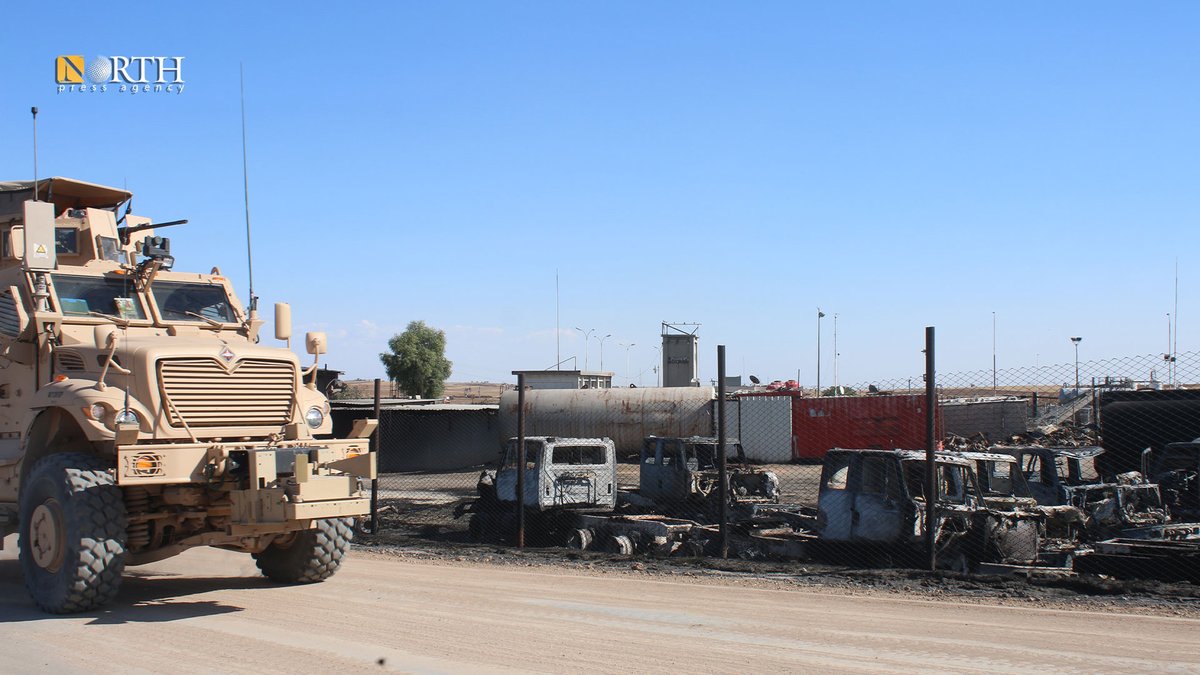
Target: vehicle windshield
(533, 453)
(87, 296)
(1001, 479)
(184, 301)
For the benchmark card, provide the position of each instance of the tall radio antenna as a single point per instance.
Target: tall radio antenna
(557, 330)
(35, 181)
(246, 190)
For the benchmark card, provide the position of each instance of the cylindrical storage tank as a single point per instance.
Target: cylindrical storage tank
(625, 415)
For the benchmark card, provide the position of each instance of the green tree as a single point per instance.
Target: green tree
(417, 362)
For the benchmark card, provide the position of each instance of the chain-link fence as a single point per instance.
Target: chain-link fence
(1075, 468)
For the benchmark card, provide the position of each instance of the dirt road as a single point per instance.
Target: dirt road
(208, 611)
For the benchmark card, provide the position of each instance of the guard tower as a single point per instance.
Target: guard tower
(679, 352)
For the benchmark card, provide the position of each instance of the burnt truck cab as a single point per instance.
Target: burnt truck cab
(561, 473)
(1068, 477)
(683, 472)
(1176, 470)
(876, 499)
(563, 477)
(1002, 485)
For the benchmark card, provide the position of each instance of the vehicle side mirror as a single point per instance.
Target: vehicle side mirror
(283, 321)
(315, 343)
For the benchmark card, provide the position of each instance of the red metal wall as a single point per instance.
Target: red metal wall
(883, 422)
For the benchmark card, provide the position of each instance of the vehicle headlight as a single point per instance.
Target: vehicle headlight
(97, 412)
(314, 417)
(127, 416)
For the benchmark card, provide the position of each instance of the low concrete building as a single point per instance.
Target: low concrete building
(996, 418)
(416, 436)
(566, 379)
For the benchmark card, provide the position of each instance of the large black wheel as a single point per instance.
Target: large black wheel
(72, 541)
(311, 555)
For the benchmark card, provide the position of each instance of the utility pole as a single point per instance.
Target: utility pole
(835, 352)
(587, 335)
(1076, 341)
(627, 346)
(820, 315)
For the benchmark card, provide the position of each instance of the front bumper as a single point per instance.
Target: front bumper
(266, 483)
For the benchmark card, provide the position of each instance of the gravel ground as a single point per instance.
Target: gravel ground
(416, 520)
(1074, 592)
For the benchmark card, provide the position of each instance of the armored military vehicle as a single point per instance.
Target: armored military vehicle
(140, 416)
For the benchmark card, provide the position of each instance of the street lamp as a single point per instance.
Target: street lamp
(820, 315)
(627, 346)
(587, 334)
(1076, 340)
(657, 365)
(602, 349)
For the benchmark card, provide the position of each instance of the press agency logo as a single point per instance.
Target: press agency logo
(120, 74)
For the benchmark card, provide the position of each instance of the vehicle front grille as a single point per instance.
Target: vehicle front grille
(202, 393)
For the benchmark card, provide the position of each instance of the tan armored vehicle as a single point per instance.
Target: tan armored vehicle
(140, 417)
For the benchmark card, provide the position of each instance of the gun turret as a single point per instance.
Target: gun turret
(126, 232)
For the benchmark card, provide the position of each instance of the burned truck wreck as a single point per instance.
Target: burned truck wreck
(563, 477)
(1176, 470)
(571, 495)
(872, 503)
(1068, 477)
(682, 475)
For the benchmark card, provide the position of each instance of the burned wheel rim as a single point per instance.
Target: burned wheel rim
(47, 535)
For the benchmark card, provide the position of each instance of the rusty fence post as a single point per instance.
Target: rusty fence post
(520, 461)
(931, 488)
(722, 452)
(374, 447)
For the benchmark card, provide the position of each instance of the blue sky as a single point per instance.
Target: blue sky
(900, 164)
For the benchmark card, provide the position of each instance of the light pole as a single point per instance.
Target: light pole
(1169, 357)
(994, 389)
(1076, 341)
(835, 352)
(587, 335)
(627, 346)
(602, 349)
(820, 315)
(657, 366)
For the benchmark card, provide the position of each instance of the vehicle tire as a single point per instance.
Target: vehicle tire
(311, 556)
(484, 527)
(619, 544)
(72, 533)
(580, 539)
(957, 562)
